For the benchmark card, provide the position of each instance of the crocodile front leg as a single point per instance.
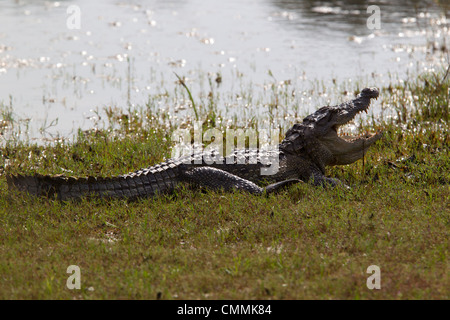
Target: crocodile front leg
(319, 179)
(216, 179)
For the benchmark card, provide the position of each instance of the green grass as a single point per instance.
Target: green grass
(305, 243)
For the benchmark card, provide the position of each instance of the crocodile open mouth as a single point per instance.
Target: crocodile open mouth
(345, 147)
(351, 138)
(348, 137)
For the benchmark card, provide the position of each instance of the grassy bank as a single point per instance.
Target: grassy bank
(304, 243)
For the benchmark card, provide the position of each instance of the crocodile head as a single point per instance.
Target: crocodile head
(322, 127)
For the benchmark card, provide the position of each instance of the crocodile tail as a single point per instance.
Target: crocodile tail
(35, 185)
(131, 186)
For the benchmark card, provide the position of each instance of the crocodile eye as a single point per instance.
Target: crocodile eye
(327, 117)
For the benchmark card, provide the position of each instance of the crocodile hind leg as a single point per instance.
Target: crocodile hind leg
(216, 179)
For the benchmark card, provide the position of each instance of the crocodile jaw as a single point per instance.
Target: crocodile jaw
(348, 149)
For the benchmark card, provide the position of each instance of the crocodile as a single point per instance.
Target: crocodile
(303, 155)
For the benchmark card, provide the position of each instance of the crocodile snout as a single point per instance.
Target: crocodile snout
(370, 92)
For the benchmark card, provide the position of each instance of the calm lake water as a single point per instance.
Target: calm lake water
(58, 79)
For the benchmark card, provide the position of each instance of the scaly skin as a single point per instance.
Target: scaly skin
(308, 148)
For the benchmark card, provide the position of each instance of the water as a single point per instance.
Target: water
(57, 79)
